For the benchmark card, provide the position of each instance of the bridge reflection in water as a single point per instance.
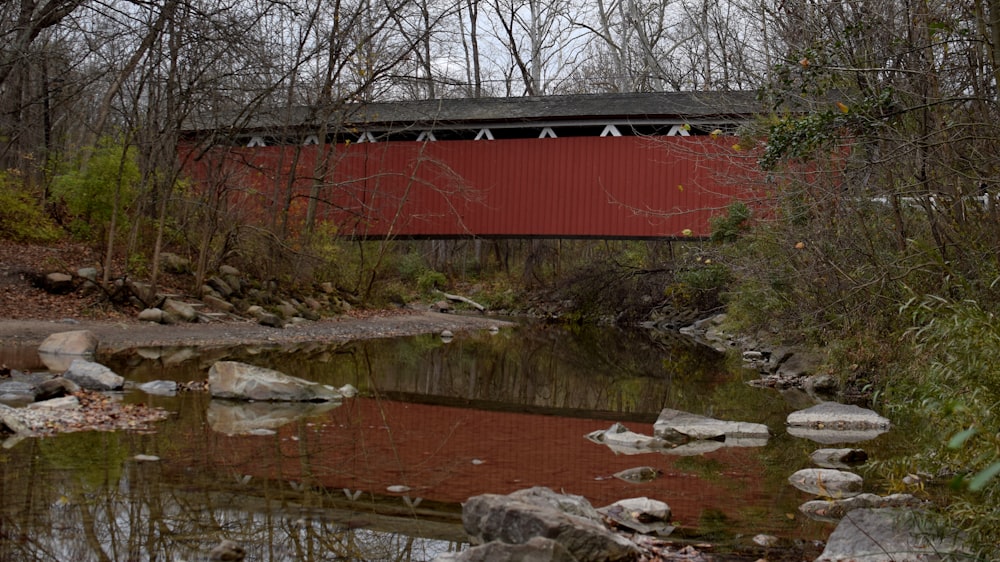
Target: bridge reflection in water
(382, 476)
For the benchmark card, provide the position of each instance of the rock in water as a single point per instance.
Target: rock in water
(520, 517)
(886, 535)
(77, 342)
(93, 376)
(827, 482)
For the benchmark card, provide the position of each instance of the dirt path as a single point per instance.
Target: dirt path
(122, 335)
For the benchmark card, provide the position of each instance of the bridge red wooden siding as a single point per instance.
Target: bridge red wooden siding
(632, 187)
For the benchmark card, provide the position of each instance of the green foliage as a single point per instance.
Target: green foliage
(817, 134)
(90, 190)
(707, 277)
(955, 377)
(429, 280)
(728, 228)
(21, 217)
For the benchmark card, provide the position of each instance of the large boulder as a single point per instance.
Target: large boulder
(831, 415)
(887, 535)
(830, 422)
(240, 381)
(180, 310)
(697, 427)
(93, 376)
(539, 512)
(76, 342)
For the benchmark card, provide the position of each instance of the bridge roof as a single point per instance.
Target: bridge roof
(629, 107)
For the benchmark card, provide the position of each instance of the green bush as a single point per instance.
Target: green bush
(430, 280)
(89, 191)
(954, 375)
(728, 228)
(21, 217)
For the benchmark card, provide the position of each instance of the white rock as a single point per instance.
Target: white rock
(77, 342)
(827, 482)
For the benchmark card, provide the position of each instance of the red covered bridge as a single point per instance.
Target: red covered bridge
(582, 166)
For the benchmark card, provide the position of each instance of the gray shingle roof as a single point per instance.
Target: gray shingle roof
(663, 106)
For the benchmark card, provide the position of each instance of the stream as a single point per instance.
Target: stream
(381, 476)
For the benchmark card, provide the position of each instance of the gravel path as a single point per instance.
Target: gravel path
(123, 335)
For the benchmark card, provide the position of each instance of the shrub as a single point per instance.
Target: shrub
(89, 191)
(429, 280)
(955, 376)
(21, 217)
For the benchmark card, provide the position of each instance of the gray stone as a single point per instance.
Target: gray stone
(17, 391)
(55, 387)
(701, 427)
(838, 458)
(88, 273)
(217, 303)
(11, 418)
(229, 270)
(644, 515)
(835, 510)
(638, 474)
(798, 364)
(621, 440)
(285, 309)
(821, 385)
(887, 535)
(159, 388)
(566, 503)
(827, 482)
(831, 415)
(77, 342)
(239, 381)
(180, 310)
(270, 320)
(154, 315)
(144, 292)
(58, 283)
(93, 376)
(220, 286)
(515, 519)
(61, 403)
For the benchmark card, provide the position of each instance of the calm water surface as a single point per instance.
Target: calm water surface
(381, 476)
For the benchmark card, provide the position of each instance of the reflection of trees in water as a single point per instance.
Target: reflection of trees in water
(61, 505)
(596, 369)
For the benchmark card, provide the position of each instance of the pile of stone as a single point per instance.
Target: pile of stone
(77, 395)
(74, 400)
(226, 293)
(539, 524)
